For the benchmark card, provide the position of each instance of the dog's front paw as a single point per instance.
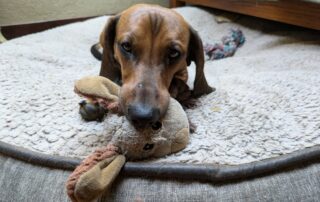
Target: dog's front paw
(189, 103)
(91, 111)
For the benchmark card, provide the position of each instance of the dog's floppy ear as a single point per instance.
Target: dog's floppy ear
(195, 53)
(110, 68)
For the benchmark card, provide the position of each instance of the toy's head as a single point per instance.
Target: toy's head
(170, 137)
(171, 134)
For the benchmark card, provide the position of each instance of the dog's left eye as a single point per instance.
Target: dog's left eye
(126, 46)
(173, 54)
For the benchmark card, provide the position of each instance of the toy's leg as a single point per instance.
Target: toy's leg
(98, 179)
(94, 174)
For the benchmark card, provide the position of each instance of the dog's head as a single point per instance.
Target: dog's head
(145, 47)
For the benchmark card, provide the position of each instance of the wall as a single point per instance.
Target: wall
(14, 12)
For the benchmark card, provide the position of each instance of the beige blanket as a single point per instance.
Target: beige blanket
(267, 101)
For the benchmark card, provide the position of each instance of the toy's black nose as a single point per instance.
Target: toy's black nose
(142, 116)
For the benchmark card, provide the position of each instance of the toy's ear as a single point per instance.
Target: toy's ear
(195, 53)
(180, 141)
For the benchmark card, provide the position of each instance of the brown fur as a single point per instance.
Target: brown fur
(147, 73)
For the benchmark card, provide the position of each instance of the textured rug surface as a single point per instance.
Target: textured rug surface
(267, 101)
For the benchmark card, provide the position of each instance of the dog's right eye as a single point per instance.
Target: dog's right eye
(126, 46)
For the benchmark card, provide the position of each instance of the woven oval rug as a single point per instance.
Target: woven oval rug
(267, 102)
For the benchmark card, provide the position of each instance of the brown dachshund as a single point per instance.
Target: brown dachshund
(147, 49)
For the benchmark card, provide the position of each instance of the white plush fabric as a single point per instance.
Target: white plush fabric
(267, 101)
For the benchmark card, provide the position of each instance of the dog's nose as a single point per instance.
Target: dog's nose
(142, 116)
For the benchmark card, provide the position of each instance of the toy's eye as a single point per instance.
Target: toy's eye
(156, 126)
(148, 147)
(126, 46)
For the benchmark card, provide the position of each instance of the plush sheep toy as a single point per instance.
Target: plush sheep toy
(96, 173)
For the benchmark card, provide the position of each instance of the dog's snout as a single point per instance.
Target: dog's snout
(143, 116)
